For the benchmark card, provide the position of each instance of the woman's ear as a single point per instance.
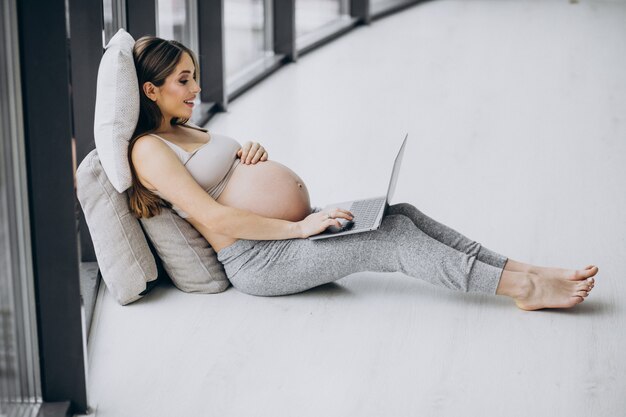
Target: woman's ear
(149, 90)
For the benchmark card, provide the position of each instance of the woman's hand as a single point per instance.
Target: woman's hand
(316, 223)
(251, 153)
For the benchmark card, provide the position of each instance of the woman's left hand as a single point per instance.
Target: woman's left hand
(251, 153)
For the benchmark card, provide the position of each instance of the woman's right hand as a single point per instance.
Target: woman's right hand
(316, 223)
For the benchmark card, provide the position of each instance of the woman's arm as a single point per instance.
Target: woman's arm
(157, 164)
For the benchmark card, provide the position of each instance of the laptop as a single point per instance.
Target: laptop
(368, 213)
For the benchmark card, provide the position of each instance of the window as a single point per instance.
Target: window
(19, 357)
(315, 14)
(177, 20)
(380, 6)
(247, 35)
(114, 16)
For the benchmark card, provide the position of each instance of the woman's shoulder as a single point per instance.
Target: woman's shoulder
(145, 145)
(149, 154)
(179, 137)
(145, 139)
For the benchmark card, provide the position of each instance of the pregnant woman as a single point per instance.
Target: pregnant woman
(256, 213)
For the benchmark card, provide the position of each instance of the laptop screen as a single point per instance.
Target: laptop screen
(396, 170)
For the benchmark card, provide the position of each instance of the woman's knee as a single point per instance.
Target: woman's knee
(401, 207)
(406, 209)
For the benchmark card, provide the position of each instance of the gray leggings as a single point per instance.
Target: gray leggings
(407, 241)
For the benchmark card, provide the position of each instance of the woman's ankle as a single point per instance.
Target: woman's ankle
(516, 266)
(514, 284)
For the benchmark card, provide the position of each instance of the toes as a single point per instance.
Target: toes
(584, 285)
(586, 273)
(582, 293)
(578, 300)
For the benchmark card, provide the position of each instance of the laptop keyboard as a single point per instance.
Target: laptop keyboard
(365, 212)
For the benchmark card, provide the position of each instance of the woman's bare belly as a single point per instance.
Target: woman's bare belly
(268, 189)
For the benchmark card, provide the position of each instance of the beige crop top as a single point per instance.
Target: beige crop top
(211, 165)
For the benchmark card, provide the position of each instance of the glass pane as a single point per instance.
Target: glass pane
(8, 361)
(19, 362)
(244, 33)
(176, 21)
(313, 14)
(172, 18)
(377, 6)
(113, 17)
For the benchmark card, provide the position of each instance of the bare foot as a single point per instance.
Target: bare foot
(556, 288)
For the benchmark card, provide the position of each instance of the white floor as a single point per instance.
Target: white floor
(516, 113)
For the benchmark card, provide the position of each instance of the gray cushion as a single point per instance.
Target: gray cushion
(122, 251)
(187, 257)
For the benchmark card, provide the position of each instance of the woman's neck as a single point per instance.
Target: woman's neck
(166, 125)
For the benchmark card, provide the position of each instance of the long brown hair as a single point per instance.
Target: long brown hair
(155, 59)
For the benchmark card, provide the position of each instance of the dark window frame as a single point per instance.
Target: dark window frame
(47, 143)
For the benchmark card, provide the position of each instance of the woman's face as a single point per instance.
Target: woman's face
(175, 97)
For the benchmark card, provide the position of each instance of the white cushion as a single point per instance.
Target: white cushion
(117, 109)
